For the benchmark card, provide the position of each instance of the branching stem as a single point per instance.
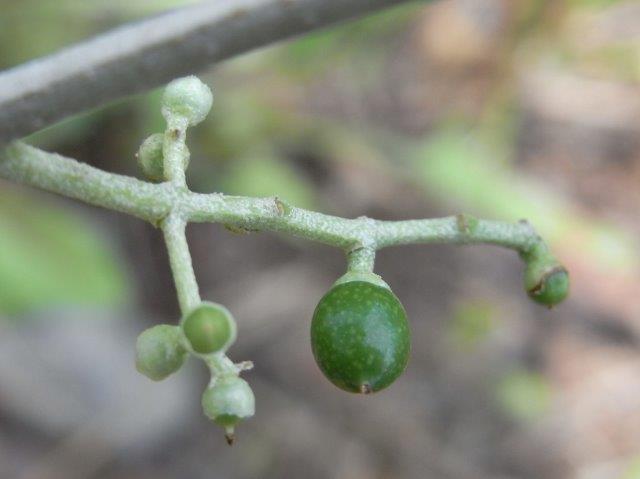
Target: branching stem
(361, 260)
(155, 202)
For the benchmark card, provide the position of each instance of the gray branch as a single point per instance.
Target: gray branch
(144, 55)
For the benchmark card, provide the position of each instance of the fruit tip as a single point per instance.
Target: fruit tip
(230, 436)
(365, 388)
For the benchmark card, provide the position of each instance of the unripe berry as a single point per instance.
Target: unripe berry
(209, 328)
(360, 335)
(150, 157)
(159, 351)
(187, 97)
(228, 401)
(546, 284)
(545, 279)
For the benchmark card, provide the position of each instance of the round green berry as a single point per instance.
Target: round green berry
(546, 285)
(159, 351)
(360, 336)
(209, 328)
(150, 157)
(227, 401)
(188, 98)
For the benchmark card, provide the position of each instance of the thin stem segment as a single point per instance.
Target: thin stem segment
(361, 260)
(173, 228)
(175, 152)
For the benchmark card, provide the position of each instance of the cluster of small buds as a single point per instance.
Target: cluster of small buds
(208, 330)
(185, 102)
(205, 332)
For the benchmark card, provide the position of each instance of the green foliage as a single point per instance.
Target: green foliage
(51, 257)
(633, 470)
(472, 322)
(364, 38)
(594, 4)
(461, 169)
(32, 28)
(524, 395)
(32, 37)
(266, 175)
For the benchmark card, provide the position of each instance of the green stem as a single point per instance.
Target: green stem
(51, 172)
(361, 260)
(175, 152)
(173, 228)
(154, 202)
(220, 365)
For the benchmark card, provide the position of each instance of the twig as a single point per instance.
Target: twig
(155, 202)
(146, 54)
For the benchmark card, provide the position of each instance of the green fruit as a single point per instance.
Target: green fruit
(545, 280)
(360, 336)
(159, 351)
(188, 98)
(228, 401)
(209, 328)
(549, 287)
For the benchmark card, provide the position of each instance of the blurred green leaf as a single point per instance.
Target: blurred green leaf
(365, 37)
(50, 257)
(33, 28)
(633, 471)
(459, 167)
(524, 395)
(596, 4)
(265, 175)
(472, 322)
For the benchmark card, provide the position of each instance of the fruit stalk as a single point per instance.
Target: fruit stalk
(173, 228)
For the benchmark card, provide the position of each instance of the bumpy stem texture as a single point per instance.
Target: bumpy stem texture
(155, 202)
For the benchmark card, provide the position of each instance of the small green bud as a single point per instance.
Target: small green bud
(187, 97)
(548, 286)
(545, 279)
(150, 157)
(159, 351)
(228, 401)
(209, 328)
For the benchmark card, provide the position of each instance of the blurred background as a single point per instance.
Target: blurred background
(505, 109)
